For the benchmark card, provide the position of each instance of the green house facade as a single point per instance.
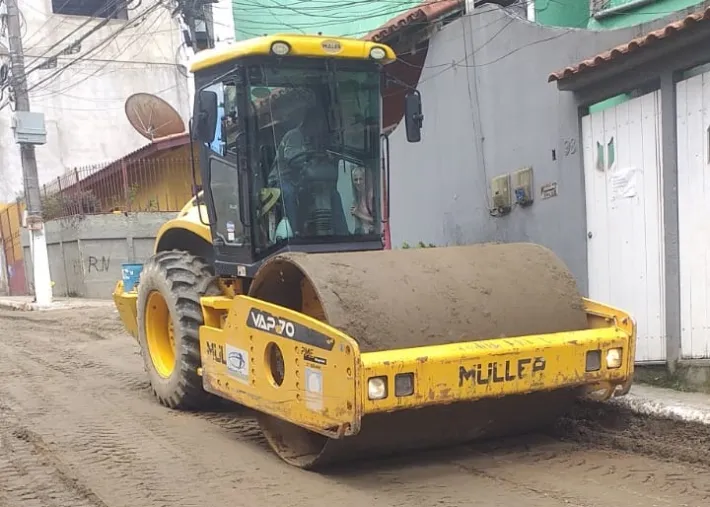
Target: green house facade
(606, 14)
(328, 17)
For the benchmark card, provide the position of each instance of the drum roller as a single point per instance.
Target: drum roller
(395, 299)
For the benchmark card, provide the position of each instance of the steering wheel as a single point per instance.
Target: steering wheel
(303, 157)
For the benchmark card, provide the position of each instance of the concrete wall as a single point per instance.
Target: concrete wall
(85, 254)
(489, 110)
(84, 103)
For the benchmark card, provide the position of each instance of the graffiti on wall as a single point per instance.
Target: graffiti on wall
(98, 264)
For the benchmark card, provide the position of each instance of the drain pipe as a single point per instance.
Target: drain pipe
(635, 4)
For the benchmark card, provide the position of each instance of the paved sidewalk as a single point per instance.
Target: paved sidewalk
(25, 303)
(667, 403)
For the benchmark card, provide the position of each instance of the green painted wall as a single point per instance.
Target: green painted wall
(331, 17)
(643, 14)
(577, 14)
(610, 102)
(569, 13)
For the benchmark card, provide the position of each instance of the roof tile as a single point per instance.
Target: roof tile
(427, 12)
(634, 45)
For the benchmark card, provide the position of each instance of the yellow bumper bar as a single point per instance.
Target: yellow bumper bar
(327, 385)
(473, 370)
(126, 305)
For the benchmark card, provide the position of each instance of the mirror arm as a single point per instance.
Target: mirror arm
(402, 83)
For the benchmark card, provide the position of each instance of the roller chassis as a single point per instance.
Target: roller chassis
(299, 371)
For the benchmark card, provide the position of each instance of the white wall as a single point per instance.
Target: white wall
(693, 117)
(624, 211)
(223, 20)
(84, 104)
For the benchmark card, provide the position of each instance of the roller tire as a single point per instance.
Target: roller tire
(182, 279)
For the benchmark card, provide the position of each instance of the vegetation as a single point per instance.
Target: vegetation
(421, 244)
(60, 204)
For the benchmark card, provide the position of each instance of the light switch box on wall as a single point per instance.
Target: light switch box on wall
(523, 186)
(500, 189)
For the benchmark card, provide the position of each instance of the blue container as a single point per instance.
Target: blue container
(131, 274)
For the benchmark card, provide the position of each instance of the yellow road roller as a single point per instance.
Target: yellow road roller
(275, 286)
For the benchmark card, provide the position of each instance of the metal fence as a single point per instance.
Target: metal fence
(161, 184)
(154, 184)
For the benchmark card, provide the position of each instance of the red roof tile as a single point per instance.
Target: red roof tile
(426, 12)
(632, 46)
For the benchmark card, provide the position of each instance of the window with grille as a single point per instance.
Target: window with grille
(111, 9)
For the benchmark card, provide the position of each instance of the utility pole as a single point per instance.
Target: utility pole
(197, 16)
(29, 130)
(197, 25)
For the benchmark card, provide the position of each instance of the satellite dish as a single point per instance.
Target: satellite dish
(152, 117)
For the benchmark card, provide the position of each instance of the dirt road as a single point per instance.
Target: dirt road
(79, 428)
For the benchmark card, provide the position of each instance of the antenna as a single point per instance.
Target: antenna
(153, 117)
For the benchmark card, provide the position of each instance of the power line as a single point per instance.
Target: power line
(87, 21)
(75, 43)
(104, 41)
(77, 82)
(46, 22)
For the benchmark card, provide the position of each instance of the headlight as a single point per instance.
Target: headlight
(377, 388)
(594, 360)
(404, 384)
(613, 358)
(377, 53)
(280, 48)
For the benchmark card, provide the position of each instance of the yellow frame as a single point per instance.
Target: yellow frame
(301, 45)
(338, 408)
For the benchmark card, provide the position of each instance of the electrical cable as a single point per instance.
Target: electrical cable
(39, 30)
(111, 37)
(106, 64)
(98, 26)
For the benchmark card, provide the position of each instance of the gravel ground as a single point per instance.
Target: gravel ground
(79, 427)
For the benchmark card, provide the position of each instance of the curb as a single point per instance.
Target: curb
(28, 306)
(666, 404)
(17, 305)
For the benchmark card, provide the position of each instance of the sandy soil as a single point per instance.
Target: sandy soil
(79, 427)
(427, 296)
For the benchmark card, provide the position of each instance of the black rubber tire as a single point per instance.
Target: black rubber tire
(181, 278)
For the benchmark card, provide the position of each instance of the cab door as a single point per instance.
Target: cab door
(224, 184)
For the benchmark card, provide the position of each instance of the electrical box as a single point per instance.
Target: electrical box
(523, 186)
(500, 189)
(29, 127)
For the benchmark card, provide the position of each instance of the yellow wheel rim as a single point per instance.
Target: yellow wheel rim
(160, 335)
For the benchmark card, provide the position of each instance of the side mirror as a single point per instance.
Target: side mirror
(206, 116)
(413, 117)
